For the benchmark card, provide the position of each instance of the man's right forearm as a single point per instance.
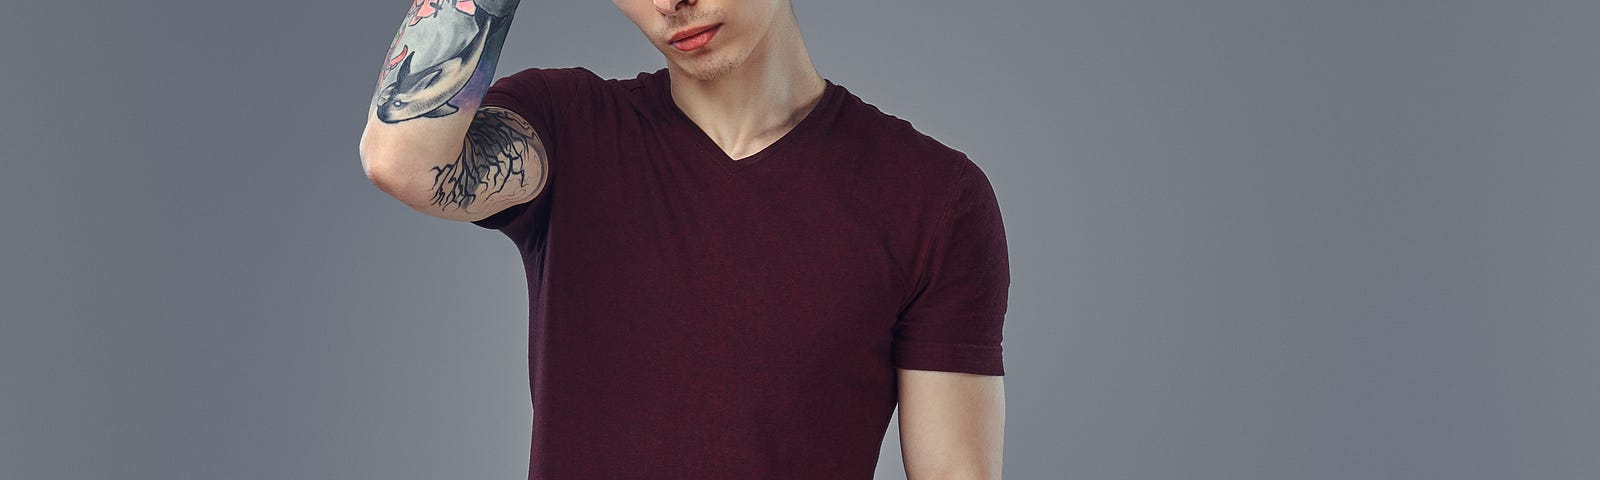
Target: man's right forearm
(432, 81)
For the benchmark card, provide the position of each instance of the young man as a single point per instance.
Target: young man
(736, 268)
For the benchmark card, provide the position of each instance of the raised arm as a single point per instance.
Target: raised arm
(426, 142)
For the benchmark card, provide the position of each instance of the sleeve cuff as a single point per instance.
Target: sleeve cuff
(949, 357)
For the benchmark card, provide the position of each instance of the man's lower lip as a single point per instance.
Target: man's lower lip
(697, 40)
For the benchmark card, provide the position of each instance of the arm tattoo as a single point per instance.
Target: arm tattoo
(494, 154)
(448, 50)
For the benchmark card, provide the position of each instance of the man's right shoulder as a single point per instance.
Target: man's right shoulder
(573, 81)
(549, 76)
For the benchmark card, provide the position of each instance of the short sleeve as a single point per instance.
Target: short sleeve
(542, 96)
(954, 320)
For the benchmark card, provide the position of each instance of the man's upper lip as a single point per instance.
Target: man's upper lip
(689, 32)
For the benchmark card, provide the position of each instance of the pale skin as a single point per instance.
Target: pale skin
(952, 424)
(429, 145)
(752, 84)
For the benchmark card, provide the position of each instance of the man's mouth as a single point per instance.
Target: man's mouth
(695, 37)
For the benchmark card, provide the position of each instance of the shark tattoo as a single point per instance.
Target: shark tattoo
(426, 92)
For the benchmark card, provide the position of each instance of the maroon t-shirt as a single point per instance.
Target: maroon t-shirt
(696, 316)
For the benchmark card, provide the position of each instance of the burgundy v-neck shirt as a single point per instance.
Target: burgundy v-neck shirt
(692, 316)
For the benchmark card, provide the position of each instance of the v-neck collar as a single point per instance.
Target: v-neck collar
(808, 125)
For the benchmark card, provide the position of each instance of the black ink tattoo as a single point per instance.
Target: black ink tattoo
(495, 151)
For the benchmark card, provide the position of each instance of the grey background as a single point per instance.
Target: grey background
(1250, 239)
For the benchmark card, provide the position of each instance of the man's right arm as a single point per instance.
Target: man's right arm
(427, 142)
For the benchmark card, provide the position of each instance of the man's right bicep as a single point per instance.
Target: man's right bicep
(502, 163)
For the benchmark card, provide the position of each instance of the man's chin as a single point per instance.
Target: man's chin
(705, 69)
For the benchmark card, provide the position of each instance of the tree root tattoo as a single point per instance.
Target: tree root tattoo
(494, 152)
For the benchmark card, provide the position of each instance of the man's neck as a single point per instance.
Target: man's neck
(758, 102)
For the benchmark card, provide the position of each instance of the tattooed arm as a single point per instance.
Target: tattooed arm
(427, 142)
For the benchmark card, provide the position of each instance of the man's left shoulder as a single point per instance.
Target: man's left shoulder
(896, 144)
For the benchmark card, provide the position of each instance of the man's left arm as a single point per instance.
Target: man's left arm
(947, 341)
(952, 424)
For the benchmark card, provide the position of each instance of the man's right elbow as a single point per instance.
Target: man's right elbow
(377, 159)
(369, 164)
(383, 175)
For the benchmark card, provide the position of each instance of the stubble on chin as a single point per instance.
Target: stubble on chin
(711, 68)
